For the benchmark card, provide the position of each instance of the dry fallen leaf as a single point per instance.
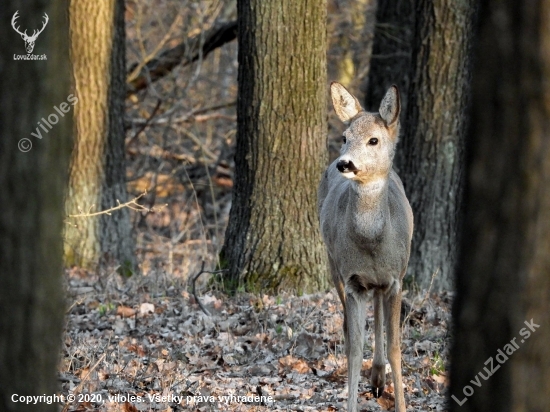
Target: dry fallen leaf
(82, 373)
(83, 407)
(386, 402)
(146, 309)
(125, 311)
(103, 375)
(128, 407)
(441, 379)
(301, 366)
(298, 365)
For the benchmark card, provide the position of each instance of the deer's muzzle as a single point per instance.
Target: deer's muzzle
(346, 166)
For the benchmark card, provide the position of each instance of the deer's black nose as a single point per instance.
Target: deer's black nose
(345, 166)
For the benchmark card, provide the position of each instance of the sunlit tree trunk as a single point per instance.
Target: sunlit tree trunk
(31, 219)
(98, 174)
(273, 240)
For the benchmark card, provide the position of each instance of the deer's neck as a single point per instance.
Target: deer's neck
(368, 209)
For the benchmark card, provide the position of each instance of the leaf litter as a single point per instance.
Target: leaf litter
(132, 348)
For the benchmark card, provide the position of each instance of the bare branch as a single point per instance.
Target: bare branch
(135, 72)
(132, 204)
(184, 53)
(192, 116)
(145, 123)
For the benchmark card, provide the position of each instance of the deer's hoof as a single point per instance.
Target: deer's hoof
(377, 392)
(378, 379)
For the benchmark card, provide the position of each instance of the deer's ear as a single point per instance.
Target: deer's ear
(390, 107)
(345, 104)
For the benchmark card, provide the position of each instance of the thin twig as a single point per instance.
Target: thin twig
(132, 204)
(84, 379)
(135, 72)
(193, 115)
(146, 123)
(195, 280)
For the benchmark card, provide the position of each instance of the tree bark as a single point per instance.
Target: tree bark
(273, 240)
(504, 274)
(32, 182)
(98, 174)
(429, 158)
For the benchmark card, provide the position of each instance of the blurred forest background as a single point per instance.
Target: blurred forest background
(196, 145)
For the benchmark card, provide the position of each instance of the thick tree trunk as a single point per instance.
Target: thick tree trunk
(97, 174)
(430, 156)
(273, 239)
(32, 182)
(504, 274)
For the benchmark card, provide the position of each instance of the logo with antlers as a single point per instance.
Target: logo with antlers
(29, 40)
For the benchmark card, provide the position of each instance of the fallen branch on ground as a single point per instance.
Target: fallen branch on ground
(195, 280)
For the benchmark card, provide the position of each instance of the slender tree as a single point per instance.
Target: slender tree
(273, 239)
(351, 35)
(33, 179)
(503, 282)
(435, 77)
(97, 175)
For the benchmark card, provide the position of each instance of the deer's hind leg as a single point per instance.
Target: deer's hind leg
(393, 316)
(378, 373)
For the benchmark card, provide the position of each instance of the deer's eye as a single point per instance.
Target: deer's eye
(344, 139)
(373, 141)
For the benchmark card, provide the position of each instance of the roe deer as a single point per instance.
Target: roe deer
(366, 223)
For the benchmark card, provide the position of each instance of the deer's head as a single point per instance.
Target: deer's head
(29, 40)
(369, 141)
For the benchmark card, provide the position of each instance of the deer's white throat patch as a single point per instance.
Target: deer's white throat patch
(372, 186)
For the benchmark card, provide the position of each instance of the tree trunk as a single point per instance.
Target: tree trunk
(504, 274)
(351, 38)
(391, 58)
(429, 159)
(32, 179)
(273, 240)
(98, 174)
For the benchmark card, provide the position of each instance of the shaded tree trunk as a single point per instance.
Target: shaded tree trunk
(392, 52)
(504, 274)
(351, 38)
(430, 158)
(273, 239)
(32, 182)
(98, 174)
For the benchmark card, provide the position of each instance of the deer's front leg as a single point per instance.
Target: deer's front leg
(339, 284)
(355, 317)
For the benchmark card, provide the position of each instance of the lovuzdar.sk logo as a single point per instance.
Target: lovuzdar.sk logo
(29, 40)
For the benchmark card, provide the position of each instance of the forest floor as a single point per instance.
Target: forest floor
(143, 344)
